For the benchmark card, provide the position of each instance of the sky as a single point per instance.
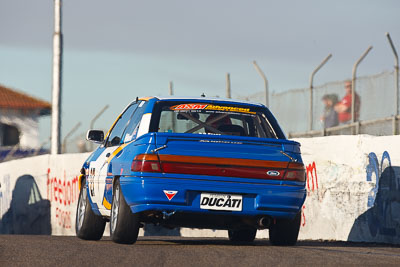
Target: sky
(117, 50)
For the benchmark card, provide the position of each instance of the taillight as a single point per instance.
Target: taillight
(295, 175)
(295, 172)
(146, 163)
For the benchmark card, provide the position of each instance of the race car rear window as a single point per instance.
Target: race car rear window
(212, 119)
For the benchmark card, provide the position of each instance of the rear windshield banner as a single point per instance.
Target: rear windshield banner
(210, 107)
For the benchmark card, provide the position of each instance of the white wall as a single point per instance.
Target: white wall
(336, 207)
(56, 178)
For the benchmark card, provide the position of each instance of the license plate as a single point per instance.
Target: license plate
(209, 201)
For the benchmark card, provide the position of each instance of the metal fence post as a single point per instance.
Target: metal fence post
(171, 92)
(396, 83)
(64, 144)
(311, 89)
(171, 88)
(97, 116)
(353, 83)
(266, 87)
(228, 85)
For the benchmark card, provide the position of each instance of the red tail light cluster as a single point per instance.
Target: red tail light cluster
(151, 163)
(295, 175)
(146, 163)
(295, 172)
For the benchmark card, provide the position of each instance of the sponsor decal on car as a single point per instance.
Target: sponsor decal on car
(170, 194)
(198, 106)
(229, 109)
(221, 142)
(188, 106)
(220, 202)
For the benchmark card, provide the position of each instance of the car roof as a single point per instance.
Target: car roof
(202, 99)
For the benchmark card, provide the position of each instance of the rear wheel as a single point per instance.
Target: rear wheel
(242, 235)
(88, 225)
(124, 225)
(284, 232)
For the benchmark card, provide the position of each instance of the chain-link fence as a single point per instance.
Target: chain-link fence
(378, 107)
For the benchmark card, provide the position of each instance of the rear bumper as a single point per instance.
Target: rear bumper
(275, 200)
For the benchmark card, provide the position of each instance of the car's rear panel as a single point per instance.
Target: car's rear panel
(220, 155)
(174, 173)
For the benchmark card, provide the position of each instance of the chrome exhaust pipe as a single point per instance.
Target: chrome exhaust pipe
(264, 222)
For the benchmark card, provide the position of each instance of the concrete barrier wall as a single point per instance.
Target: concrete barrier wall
(352, 194)
(353, 185)
(39, 195)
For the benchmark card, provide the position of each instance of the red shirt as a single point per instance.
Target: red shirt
(346, 116)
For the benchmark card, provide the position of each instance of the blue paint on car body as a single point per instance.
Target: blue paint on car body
(251, 134)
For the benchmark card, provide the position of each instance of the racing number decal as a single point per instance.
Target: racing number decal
(92, 174)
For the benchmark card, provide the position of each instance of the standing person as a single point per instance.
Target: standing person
(343, 108)
(330, 116)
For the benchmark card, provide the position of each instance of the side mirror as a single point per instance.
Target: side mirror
(95, 136)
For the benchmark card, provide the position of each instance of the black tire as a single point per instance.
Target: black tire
(124, 225)
(284, 232)
(242, 235)
(88, 225)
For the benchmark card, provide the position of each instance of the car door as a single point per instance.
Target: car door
(99, 167)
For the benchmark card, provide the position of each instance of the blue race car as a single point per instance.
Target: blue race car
(192, 162)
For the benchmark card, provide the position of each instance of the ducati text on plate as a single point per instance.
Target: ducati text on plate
(220, 202)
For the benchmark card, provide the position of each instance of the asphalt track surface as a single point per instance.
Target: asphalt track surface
(20, 250)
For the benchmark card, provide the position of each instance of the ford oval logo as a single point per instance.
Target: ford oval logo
(273, 173)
